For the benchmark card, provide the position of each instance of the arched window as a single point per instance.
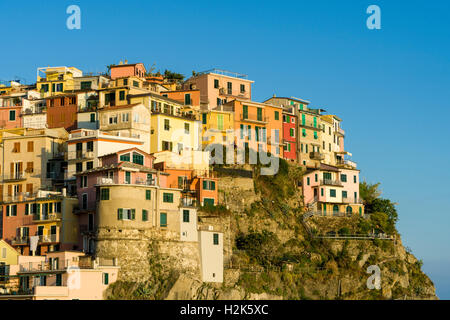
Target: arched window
(349, 210)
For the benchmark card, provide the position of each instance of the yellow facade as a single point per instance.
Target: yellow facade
(8, 255)
(215, 125)
(326, 139)
(56, 80)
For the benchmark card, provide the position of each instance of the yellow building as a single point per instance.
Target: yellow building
(117, 92)
(174, 127)
(216, 124)
(8, 255)
(55, 80)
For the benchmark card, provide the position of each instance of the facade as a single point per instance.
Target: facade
(122, 70)
(8, 255)
(217, 125)
(55, 80)
(31, 159)
(47, 217)
(217, 87)
(258, 126)
(84, 147)
(290, 126)
(10, 110)
(308, 129)
(66, 275)
(62, 111)
(330, 190)
(131, 121)
(211, 254)
(186, 97)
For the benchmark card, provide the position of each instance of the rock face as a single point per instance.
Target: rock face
(312, 268)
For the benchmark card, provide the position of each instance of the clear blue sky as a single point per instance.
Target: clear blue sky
(391, 86)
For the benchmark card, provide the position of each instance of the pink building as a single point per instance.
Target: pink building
(10, 111)
(330, 190)
(218, 87)
(127, 70)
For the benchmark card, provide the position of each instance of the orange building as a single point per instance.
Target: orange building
(187, 97)
(257, 125)
(127, 70)
(62, 112)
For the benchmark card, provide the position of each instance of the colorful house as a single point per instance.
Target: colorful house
(290, 127)
(62, 111)
(217, 87)
(123, 70)
(329, 190)
(56, 80)
(217, 125)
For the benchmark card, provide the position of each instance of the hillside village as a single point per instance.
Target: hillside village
(107, 178)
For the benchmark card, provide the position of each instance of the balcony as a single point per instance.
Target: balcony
(101, 181)
(17, 176)
(80, 155)
(341, 132)
(57, 265)
(47, 217)
(254, 119)
(310, 125)
(22, 240)
(188, 202)
(316, 156)
(346, 163)
(51, 238)
(329, 182)
(352, 200)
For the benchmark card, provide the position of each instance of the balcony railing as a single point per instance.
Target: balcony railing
(188, 202)
(20, 240)
(80, 155)
(133, 181)
(47, 217)
(253, 118)
(346, 163)
(17, 176)
(50, 238)
(310, 125)
(316, 156)
(352, 200)
(56, 265)
(329, 182)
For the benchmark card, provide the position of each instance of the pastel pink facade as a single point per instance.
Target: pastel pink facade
(127, 70)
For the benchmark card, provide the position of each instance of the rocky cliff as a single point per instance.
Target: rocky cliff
(273, 252)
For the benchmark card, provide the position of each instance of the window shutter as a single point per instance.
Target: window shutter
(213, 185)
(204, 184)
(133, 214)
(120, 214)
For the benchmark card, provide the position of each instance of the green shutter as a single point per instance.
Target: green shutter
(277, 115)
(216, 239)
(148, 194)
(245, 112)
(144, 215)
(257, 133)
(163, 219)
(303, 119)
(205, 186)
(105, 278)
(185, 215)
(204, 117)
(27, 210)
(259, 114)
(242, 131)
(133, 214)
(249, 130)
(213, 185)
(120, 214)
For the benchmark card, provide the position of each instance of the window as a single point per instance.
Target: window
(84, 201)
(245, 112)
(84, 182)
(354, 179)
(209, 185)
(168, 197)
(186, 216)
(59, 87)
(316, 177)
(125, 82)
(301, 106)
(333, 193)
(259, 114)
(125, 117)
(136, 84)
(315, 135)
(327, 176)
(229, 88)
(277, 115)
(321, 192)
(90, 146)
(79, 167)
(30, 146)
(219, 101)
(104, 194)
(249, 132)
(343, 177)
(89, 165)
(304, 132)
(126, 214)
(30, 167)
(292, 132)
(307, 181)
(128, 177)
(105, 278)
(216, 239)
(125, 157)
(166, 124)
(216, 83)
(58, 280)
(163, 219)
(208, 202)
(242, 88)
(92, 119)
(187, 99)
(113, 119)
(138, 158)
(144, 215)
(166, 145)
(86, 85)
(122, 95)
(186, 128)
(344, 194)
(204, 117)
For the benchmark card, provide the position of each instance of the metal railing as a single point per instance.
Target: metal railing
(14, 176)
(56, 265)
(50, 238)
(329, 182)
(79, 155)
(253, 118)
(316, 155)
(20, 240)
(47, 217)
(133, 181)
(352, 200)
(188, 202)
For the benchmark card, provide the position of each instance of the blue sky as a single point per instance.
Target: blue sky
(390, 86)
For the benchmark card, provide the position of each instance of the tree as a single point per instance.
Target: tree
(369, 192)
(386, 206)
(173, 75)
